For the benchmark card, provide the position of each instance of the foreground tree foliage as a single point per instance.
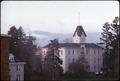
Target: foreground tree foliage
(52, 63)
(37, 68)
(22, 47)
(110, 37)
(78, 68)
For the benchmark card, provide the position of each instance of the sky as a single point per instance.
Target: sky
(57, 16)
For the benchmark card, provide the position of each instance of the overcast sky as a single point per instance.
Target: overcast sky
(57, 16)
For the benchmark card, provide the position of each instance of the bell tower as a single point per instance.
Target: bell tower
(79, 35)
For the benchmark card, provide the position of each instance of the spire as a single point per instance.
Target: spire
(78, 18)
(79, 31)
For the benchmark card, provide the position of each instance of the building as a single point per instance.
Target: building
(70, 52)
(4, 62)
(16, 69)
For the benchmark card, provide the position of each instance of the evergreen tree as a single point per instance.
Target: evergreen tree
(110, 36)
(114, 58)
(52, 62)
(37, 67)
(79, 67)
(22, 47)
(106, 38)
(13, 40)
(115, 29)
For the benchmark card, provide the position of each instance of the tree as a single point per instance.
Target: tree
(37, 67)
(106, 38)
(13, 40)
(114, 58)
(52, 62)
(79, 67)
(22, 47)
(111, 36)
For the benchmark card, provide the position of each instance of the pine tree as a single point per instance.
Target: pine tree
(110, 36)
(22, 47)
(106, 38)
(13, 39)
(115, 28)
(114, 58)
(52, 62)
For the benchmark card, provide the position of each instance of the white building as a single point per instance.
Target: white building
(70, 52)
(16, 69)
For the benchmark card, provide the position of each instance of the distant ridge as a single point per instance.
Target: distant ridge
(43, 37)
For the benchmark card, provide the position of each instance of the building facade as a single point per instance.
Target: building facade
(4, 62)
(16, 69)
(70, 52)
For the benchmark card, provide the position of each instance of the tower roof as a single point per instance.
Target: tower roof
(79, 31)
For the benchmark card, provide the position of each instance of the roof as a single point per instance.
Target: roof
(75, 45)
(4, 35)
(79, 31)
(12, 58)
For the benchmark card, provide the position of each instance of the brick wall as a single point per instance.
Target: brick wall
(4, 55)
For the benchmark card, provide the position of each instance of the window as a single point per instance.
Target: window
(98, 66)
(73, 51)
(98, 51)
(94, 52)
(61, 52)
(17, 67)
(94, 60)
(68, 60)
(68, 51)
(94, 67)
(82, 50)
(17, 78)
(98, 60)
(87, 51)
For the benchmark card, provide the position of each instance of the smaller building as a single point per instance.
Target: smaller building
(16, 69)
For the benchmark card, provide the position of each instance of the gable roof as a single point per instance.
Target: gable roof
(12, 58)
(75, 45)
(79, 31)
